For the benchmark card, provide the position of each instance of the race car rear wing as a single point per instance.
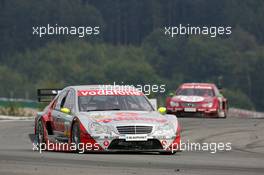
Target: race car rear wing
(46, 95)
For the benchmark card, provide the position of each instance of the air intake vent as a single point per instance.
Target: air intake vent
(134, 129)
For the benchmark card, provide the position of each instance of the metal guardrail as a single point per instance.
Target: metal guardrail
(5, 102)
(242, 113)
(16, 99)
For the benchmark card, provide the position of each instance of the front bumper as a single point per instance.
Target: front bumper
(149, 145)
(153, 143)
(122, 144)
(196, 112)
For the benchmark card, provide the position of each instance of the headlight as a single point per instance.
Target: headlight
(97, 128)
(165, 129)
(207, 105)
(174, 104)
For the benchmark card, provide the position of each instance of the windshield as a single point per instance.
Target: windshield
(195, 92)
(104, 103)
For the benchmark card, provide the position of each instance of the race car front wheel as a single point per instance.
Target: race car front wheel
(221, 114)
(76, 139)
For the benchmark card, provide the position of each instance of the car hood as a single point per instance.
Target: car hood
(113, 119)
(127, 117)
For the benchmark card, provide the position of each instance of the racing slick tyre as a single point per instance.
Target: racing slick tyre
(75, 136)
(40, 135)
(221, 114)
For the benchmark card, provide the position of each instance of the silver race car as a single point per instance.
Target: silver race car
(104, 118)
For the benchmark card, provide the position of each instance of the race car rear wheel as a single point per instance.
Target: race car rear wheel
(76, 138)
(40, 135)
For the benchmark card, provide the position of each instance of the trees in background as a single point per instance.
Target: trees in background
(78, 62)
(132, 47)
(19, 16)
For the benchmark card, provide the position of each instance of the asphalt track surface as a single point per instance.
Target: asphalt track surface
(246, 156)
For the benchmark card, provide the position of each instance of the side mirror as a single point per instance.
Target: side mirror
(162, 110)
(65, 110)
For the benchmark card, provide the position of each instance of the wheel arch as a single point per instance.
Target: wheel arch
(46, 123)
